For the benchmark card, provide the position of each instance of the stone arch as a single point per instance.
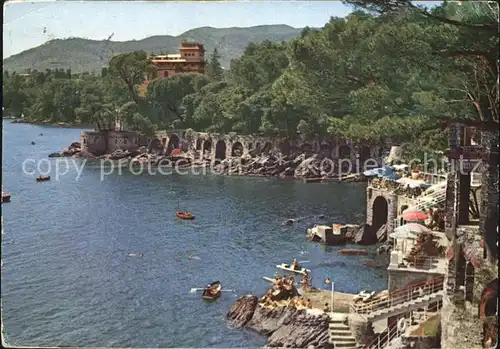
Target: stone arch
(285, 147)
(469, 282)
(364, 154)
(268, 146)
(237, 149)
(306, 148)
(207, 145)
(156, 145)
(220, 150)
(380, 212)
(198, 144)
(325, 148)
(173, 143)
(344, 152)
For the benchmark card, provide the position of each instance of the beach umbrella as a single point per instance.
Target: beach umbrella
(412, 228)
(403, 235)
(414, 215)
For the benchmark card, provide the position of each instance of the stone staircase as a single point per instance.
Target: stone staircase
(339, 333)
(410, 305)
(401, 301)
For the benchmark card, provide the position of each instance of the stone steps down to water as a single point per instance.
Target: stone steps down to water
(284, 326)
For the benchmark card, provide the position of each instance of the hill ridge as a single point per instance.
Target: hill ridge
(80, 54)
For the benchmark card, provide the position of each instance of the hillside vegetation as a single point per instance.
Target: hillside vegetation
(81, 55)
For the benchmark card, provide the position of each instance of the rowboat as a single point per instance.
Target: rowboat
(184, 215)
(212, 292)
(5, 197)
(42, 178)
(287, 267)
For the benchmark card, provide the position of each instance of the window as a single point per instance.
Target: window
(125, 141)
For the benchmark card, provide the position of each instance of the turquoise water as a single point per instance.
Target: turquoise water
(67, 279)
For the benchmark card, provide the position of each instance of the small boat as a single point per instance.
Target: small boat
(184, 215)
(212, 292)
(288, 267)
(5, 197)
(42, 178)
(349, 251)
(32, 143)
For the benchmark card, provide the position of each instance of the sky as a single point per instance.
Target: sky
(29, 24)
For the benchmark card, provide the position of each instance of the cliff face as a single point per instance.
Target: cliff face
(285, 326)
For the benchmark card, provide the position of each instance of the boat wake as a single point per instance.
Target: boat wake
(194, 257)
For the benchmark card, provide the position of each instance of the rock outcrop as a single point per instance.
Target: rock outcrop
(284, 326)
(73, 149)
(281, 166)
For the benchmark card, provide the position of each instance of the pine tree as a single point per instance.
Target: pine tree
(214, 70)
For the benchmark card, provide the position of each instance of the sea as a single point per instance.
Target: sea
(68, 279)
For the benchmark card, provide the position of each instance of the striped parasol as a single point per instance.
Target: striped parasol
(414, 216)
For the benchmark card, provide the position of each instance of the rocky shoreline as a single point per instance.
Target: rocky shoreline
(297, 166)
(284, 326)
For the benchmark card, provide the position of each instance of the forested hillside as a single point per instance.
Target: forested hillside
(82, 55)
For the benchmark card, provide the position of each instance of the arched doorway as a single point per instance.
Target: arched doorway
(380, 210)
(207, 147)
(220, 150)
(344, 152)
(198, 144)
(173, 143)
(250, 146)
(285, 147)
(267, 147)
(237, 149)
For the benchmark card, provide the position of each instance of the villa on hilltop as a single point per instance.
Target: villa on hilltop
(190, 59)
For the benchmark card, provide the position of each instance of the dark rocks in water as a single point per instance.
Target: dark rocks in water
(284, 326)
(365, 236)
(384, 248)
(56, 155)
(33, 143)
(242, 311)
(278, 165)
(74, 149)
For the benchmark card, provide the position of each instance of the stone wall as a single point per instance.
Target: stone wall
(100, 142)
(199, 143)
(420, 342)
(399, 278)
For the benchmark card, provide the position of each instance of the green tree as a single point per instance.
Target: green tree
(214, 68)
